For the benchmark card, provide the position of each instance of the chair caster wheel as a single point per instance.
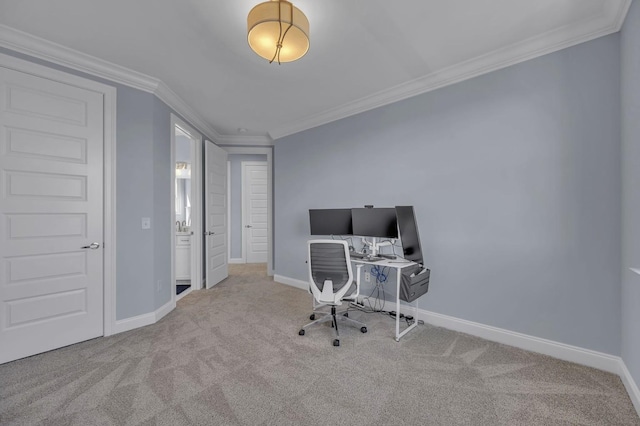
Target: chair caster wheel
(363, 329)
(301, 332)
(312, 317)
(346, 314)
(336, 342)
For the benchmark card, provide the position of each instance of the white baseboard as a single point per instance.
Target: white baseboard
(303, 285)
(587, 357)
(236, 260)
(164, 310)
(630, 385)
(134, 322)
(601, 361)
(142, 320)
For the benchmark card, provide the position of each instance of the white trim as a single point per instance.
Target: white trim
(242, 140)
(169, 97)
(228, 210)
(172, 200)
(143, 320)
(636, 270)
(109, 171)
(610, 21)
(236, 260)
(551, 348)
(163, 310)
(630, 385)
(196, 203)
(184, 293)
(302, 285)
(610, 363)
(558, 350)
(134, 322)
(243, 213)
(110, 217)
(268, 151)
(40, 48)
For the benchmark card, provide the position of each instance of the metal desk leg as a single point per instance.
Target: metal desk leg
(398, 305)
(415, 316)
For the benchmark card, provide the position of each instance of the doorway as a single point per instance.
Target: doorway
(237, 223)
(254, 211)
(55, 151)
(186, 201)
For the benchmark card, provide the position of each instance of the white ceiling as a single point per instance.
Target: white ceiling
(362, 55)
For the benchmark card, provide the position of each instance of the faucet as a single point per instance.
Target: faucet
(178, 225)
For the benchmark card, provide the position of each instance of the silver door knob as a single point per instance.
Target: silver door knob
(92, 246)
(248, 226)
(208, 233)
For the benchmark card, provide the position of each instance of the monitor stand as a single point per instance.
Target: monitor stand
(374, 245)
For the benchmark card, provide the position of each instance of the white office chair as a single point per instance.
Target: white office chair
(331, 283)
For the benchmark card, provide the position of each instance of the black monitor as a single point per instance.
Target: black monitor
(409, 234)
(375, 222)
(330, 221)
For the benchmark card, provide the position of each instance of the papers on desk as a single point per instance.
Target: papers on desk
(419, 273)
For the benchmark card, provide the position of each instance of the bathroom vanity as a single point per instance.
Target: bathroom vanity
(183, 255)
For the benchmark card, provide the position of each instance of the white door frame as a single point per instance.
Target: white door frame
(244, 190)
(229, 259)
(109, 162)
(196, 204)
(268, 151)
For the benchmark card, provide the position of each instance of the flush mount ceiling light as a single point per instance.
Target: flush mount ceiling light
(278, 31)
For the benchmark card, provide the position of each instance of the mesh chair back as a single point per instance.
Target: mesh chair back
(328, 262)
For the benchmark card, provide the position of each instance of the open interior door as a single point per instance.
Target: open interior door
(215, 231)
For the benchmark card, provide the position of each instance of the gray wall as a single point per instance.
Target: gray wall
(630, 46)
(515, 178)
(235, 219)
(135, 258)
(143, 167)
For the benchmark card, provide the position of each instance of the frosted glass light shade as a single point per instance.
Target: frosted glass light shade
(264, 31)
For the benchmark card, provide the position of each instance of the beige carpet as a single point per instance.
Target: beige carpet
(232, 356)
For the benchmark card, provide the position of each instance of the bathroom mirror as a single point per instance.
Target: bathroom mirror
(183, 194)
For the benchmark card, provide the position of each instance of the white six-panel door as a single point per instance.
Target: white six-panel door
(216, 213)
(51, 206)
(254, 211)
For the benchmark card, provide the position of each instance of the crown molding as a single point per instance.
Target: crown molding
(169, 97)
(241, 140)
(609, 21)
(36, 47)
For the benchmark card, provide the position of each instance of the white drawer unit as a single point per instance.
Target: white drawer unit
(183, 240)
(183, 257)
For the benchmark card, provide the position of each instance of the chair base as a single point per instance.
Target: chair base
(334, 318)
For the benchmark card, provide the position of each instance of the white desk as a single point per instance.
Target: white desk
(398, 265)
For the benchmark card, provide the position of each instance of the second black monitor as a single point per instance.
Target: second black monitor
(375, 222)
